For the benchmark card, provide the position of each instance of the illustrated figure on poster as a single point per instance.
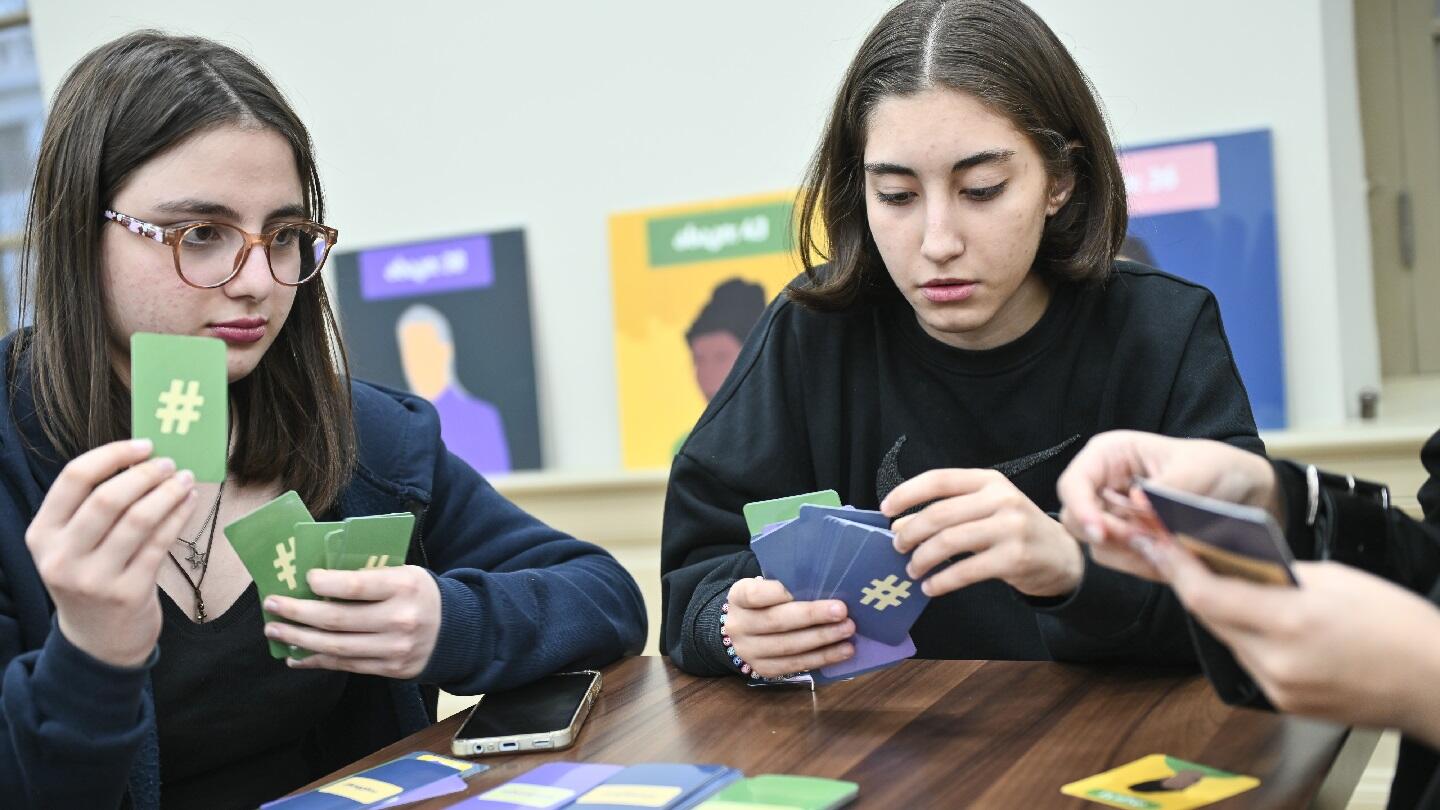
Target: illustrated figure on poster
(719, 331)
(471, 427)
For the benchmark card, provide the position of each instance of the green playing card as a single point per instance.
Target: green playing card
(179, 399)
(760, 514)
(378, 541)
(265, 542)
(309, 553)
(334, 546)
(772, 790)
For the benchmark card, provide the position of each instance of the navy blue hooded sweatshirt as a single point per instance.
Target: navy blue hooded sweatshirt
(518, 600)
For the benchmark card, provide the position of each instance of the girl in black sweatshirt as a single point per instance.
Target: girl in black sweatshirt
(969, 331)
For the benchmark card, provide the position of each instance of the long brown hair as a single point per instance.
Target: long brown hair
(1002, 53)
(122, 104)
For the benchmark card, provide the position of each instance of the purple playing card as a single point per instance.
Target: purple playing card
(554, 784)
(881, 598)
(777, 549)
(869, 656)
(836, 547)
(869, 517)
(440, 787)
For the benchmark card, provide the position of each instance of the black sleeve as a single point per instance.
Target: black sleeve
(1116, 616)
(749, 444)
(1407, 553)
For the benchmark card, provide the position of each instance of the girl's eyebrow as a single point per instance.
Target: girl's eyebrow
(977, 159)
(206, 208)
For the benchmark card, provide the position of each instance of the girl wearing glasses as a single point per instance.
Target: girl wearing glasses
(971, 330)
(176, 192)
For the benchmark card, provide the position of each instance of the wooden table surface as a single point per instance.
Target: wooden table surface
(927, 734)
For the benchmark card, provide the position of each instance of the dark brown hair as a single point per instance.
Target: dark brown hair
(1002, 53)
(121, 105)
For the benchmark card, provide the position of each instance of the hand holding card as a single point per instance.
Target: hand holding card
(823, 553)
(1232, 540)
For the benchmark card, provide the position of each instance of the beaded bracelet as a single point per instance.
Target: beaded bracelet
(735, 658)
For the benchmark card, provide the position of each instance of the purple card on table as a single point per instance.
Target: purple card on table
(554, 784)
(870, 655)
(880, 596)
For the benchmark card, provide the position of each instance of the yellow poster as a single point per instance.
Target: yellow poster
(689, 281)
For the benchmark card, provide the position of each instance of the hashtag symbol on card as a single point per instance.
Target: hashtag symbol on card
(886, 592)
(285, 561)
(378, 562)
(179, 407)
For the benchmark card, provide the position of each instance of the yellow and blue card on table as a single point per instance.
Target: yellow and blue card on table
(1160, 782)
(179, 399)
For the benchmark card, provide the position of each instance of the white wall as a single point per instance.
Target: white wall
(438, 118)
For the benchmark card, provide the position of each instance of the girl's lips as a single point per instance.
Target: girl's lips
(239, 331)
(948, 291)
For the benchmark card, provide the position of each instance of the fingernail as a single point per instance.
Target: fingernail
(910, 571)
(1094, 533)
(142, 445)
(1145, 547)
(165, 465)
(884, 506)
(925, 588)
(271, 631)
(836, 611)
(271, 605)
(187, 478)
(847, 650)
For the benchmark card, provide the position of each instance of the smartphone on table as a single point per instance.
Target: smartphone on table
(539, 716)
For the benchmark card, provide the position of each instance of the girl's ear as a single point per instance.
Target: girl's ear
(1063, 186)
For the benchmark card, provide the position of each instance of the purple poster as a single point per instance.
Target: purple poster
(427, 268)
(449, 320)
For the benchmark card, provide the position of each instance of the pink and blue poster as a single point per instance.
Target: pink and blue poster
(1204, 209)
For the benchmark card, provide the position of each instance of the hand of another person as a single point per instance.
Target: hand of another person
(98, 540)
(386, 622)
(980, 512)
(1345, 645)
(777, 635)
(1112, 461)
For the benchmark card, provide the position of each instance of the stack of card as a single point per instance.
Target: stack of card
(279, 544)
(179, 400)
(821, 550)
(704, 787)
(411, 778)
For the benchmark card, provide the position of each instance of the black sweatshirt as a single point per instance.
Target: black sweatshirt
(1408, 554)
(858, 400)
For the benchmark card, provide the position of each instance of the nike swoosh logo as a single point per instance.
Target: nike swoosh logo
(888, 477)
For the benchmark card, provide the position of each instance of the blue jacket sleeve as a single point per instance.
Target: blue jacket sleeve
(519, 599)
(70, 725)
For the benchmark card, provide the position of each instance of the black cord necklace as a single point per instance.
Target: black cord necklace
(203, 558)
